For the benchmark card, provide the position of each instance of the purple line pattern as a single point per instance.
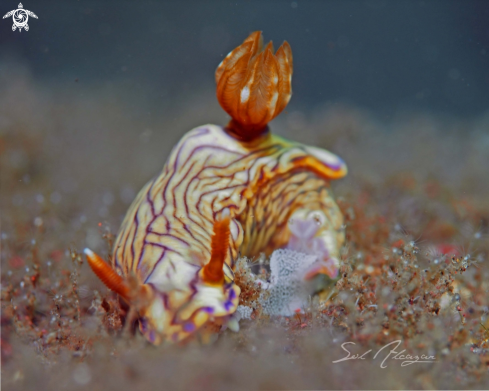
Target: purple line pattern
(165, 237)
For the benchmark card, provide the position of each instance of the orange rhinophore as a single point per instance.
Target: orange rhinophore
(107, 275)
(213, 272)
(254, 85)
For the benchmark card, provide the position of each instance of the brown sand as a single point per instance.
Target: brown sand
(414, 268)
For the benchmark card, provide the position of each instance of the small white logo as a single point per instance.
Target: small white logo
(20, 16)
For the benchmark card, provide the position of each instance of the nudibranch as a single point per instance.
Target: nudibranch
(224, 192)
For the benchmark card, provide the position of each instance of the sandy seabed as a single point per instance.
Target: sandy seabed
(414, 268)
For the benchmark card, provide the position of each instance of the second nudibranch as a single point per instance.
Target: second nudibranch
(225, 192)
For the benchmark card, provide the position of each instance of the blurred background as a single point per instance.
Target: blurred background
(96, 93)
(380, 55)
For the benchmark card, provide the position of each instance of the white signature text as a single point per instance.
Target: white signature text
(390, 354)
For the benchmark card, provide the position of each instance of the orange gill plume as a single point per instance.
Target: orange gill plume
(254, 85)
(108, 275)
(212, 272)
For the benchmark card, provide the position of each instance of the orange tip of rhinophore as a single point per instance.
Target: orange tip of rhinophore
(213, 272)
(107, 275)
